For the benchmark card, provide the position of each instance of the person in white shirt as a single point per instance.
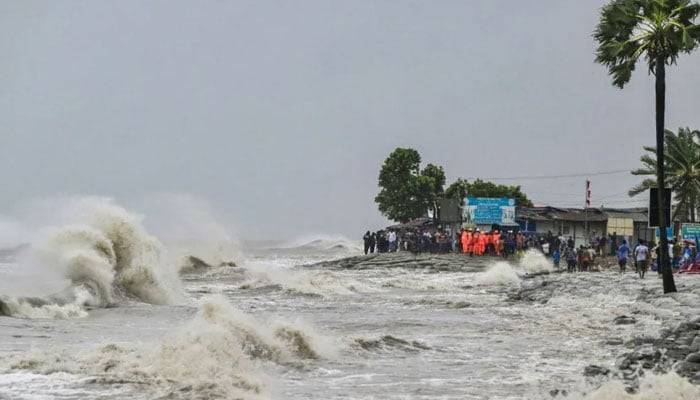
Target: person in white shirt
(392, 241)
(641, 255)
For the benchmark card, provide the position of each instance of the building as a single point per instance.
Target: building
(584, 224)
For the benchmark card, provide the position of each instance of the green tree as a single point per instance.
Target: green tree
(682, 171)
(404, 193)
(659, 31)
(461, 188)
(437, 189)
(457, 190)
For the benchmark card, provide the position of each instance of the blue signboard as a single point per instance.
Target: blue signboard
(488, 211)
(669, 233)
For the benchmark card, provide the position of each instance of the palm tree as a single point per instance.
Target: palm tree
(659, 31)
(682, 171)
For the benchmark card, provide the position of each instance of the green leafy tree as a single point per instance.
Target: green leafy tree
(437, 189)
(657, 31)
(461, 189)
(682, 171)
(457, 190)
(404, 193)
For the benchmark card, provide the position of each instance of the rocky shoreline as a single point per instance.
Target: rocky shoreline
(434, 262)
(676, 348)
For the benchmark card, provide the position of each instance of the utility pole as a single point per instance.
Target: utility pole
(588, 205)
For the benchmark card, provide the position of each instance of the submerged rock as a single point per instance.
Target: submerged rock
(595, 370)
(624, 320)
(693, 357)
(195, 264)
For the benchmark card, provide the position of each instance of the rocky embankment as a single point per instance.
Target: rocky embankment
(434, 262)
(676, 348)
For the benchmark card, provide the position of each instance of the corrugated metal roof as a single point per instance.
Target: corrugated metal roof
(578, 214)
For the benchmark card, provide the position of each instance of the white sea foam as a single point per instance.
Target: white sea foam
(651, 387)
(304, 282)
(504, 273)
(534, 262)
(218, 354)
(106, 251)
(500, 273)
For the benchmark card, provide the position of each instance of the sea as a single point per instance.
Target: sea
(99, 308)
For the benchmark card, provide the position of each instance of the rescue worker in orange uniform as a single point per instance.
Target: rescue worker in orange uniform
(475, 242)
(497, 242)
(480, 245)
(470, 242)
(465, 239)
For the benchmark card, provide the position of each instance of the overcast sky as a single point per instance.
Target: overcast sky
(280, 113)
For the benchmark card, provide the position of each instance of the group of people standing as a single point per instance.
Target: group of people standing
(644, 257)
(380, 241)
(480, 243)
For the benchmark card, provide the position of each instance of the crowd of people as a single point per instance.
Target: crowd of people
(560, 249)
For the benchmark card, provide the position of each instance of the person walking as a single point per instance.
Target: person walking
(641, 254)
(622, 253)
(372, 242)
(571, 257)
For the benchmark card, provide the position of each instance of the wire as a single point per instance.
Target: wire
(579, 175)
(625, 193)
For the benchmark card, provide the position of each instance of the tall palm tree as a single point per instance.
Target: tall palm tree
(682, 171)
(659, 31)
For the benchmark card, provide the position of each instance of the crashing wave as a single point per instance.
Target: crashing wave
(108, 255)
(534, 262)
(323, 243)
(651, 386)
(500, 273)
(216, 355)
(503, 273)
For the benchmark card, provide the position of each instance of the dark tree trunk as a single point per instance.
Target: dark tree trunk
(692, 209)
(663, 259)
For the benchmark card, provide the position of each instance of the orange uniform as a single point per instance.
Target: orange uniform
(466, 241)
(480, 245)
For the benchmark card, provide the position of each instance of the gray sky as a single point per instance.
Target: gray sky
(280, 113)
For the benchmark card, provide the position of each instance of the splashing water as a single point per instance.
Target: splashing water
(534, 262)
(105, 254)
(500, 273)
(215, 355)
(651, 387)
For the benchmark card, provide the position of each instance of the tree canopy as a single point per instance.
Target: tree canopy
(406, 192)
(658, 30)
(682, 166)
(461, 188)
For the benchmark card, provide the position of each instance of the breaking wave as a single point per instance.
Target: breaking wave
(500, 273)
(106, 255)
(651, 387)
(503, 273)
(313, 283)
(216, 355)
(534, 262)
(323, 243)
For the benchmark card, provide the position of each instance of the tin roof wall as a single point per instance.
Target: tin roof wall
(549, 213)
